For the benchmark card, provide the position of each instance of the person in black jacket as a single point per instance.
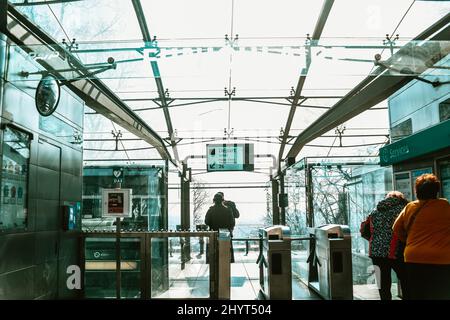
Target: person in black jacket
(385, 248)
(230, 204)
(220, 217)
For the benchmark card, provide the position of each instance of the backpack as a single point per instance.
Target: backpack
(232, 206)
(364, 229)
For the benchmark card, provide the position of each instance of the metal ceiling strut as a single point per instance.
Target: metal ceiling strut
(373, 89)
(26, 3)
(93, 91)
(154, 64)
(320, 24)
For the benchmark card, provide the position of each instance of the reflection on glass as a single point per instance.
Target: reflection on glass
(342, 193)
(100, 268)
(147, 203)
(299, 258)
(61, 130)
(14, 186)
(180, 268)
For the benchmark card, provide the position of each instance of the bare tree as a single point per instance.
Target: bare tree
(200, 198)
(329, 184)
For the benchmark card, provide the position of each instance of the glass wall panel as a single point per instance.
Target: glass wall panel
(342, 193)
(14, 179)
(148, 193)
(184, 273)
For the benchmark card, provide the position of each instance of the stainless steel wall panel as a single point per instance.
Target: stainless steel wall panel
(70, 187)
(20, 61)
(69, 255)
(19, 107)
(72, 161)
(46, 247)
(48, 215)
(46, 280)
(71, 108)
(33, 262)
(69, 242)
(32, 181)
(32, 210)
(63, 291)
(17, 285)
(49, 156)
(47, 184)
(34, 146)
(16, 251)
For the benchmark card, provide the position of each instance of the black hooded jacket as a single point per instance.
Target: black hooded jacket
(383, 242)
(219, 217)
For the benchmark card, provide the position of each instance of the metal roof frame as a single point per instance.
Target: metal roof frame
(159, 84)
(320, 24)
(93, 91)
(369, 92)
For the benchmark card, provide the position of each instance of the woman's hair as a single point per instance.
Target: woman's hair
(396, 194)
(427, 186)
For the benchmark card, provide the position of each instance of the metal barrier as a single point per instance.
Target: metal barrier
(146, 254)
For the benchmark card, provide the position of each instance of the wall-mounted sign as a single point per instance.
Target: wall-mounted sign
(116, 203)
(47, 95)
(417, 145)
(230, 157)
(118, 175)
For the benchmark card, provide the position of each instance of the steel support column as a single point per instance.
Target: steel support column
(275, 208)
(3, 16)
(309, 196)
(282, 206)
(185, 199)
(185, 214)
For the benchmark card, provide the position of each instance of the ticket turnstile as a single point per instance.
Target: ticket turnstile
(333, 250)
(275, 263)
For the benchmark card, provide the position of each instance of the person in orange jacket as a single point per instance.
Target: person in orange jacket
(425, 227)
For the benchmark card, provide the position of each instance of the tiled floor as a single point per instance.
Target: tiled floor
(370, 292)
(193, 280)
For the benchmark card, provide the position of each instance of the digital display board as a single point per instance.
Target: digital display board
(230, 157)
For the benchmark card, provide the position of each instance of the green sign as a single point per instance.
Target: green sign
(118, 175)
(421, 143)
(230, 157)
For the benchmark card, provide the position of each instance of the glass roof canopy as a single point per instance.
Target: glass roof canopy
(229, 69)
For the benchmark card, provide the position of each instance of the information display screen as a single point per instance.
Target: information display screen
(230, 157)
